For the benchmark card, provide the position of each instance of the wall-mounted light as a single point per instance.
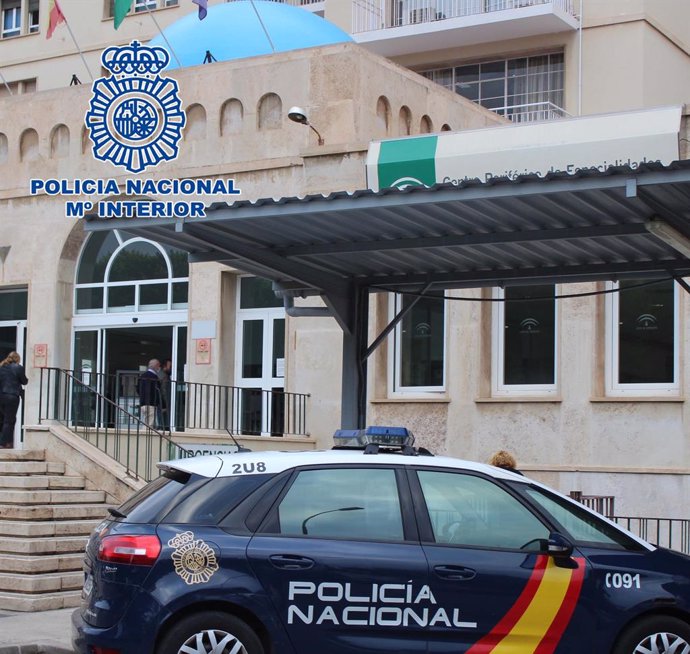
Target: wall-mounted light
(299, 115)
(669, 235)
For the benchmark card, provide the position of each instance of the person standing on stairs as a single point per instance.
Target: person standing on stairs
(12, 378)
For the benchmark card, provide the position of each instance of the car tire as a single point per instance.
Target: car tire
(202, 633)
(656, 634)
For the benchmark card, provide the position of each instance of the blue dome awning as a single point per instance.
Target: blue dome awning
(233, 31)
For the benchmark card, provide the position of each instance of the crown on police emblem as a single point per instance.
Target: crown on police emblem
(135, 58)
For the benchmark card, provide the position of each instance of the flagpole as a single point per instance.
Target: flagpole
(165, 38)
(256, 11)
(81, 54)
(4, 81)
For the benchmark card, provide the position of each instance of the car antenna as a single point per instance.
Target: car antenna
(240, 448)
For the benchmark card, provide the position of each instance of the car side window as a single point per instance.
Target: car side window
(472, 511)
(351, 503)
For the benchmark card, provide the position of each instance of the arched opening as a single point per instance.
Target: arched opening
(28, 145)
(404, 121)
(59, 141)
(231, 117)
(270, 111)
(383, 116)
(196, 123)
(426, 126)
(4, 149)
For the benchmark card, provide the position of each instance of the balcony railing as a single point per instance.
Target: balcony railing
(531, 113)
(369, 15)
(295, 3)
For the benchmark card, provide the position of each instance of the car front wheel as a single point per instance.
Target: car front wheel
(211, 633)
(655, 635)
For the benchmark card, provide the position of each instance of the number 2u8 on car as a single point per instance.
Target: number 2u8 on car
(373, 546)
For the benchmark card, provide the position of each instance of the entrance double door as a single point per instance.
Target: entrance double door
(13, 339)
(109, 362)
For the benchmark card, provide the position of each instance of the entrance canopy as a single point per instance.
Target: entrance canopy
(622, 223)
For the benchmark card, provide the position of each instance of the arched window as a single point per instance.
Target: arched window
(118, 272)
(426, 126)
(383, 116)
(404, 121)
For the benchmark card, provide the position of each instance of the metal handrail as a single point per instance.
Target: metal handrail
(369, 15)
(673, 533)
(123, 436)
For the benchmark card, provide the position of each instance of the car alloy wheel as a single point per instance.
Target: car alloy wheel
(212, 641)
(663, 643)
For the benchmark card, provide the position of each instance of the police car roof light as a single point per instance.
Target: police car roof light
(396, 437)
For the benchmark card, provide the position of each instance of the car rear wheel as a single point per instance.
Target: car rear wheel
(655, 635)
(211, 633)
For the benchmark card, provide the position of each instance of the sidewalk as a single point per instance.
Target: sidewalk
(44, 632)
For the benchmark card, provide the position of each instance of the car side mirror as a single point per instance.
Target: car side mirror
(559, 546)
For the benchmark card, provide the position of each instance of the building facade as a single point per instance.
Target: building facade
(588, 392)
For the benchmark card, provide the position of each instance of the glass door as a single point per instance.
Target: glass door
(12, 339)
(260, 365)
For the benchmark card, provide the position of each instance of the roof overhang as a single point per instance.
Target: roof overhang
(556, 229)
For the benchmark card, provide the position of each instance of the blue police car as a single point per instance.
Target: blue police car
(371, 547)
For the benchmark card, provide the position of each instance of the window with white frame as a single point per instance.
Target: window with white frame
(11, 18)
(140, 5)
(524, 352)
(417, 346)
(522, 89)
(642, 338)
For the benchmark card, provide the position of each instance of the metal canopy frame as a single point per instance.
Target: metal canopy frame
(557, 229)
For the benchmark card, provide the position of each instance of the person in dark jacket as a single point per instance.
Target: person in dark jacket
(12, 378)
(149, 387)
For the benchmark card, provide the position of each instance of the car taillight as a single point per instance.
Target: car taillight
(137, 550)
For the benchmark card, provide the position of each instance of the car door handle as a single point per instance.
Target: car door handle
(290, 562)
(455, 572)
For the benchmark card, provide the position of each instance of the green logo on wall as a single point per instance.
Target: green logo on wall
(407, 162)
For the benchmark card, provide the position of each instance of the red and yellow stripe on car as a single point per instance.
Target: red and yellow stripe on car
(540, 615)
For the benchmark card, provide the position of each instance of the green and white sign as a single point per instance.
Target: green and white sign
(568, 145)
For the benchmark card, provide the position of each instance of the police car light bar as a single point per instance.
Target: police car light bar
(375, 435)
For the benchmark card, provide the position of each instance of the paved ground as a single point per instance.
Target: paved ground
(44, 632)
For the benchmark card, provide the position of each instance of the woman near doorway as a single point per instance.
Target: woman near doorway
(12, 378)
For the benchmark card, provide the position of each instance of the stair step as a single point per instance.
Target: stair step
(53, 512)
(42, 545)
(39, 602)
(38, 564)
(55, 482)
(22, 455)
(26, 497)
(41, 583)
(48, 528)
(31, 467)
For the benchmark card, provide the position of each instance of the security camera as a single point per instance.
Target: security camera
(298, 115)
(135, 319)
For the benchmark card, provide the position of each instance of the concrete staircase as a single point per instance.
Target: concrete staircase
(46, 517)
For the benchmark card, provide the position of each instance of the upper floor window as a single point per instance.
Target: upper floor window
(121, 273)
(140, 5)
(524, 341)
(522, 89)
(418, 345)
(11, 18)
(642, 339)
(18, 87)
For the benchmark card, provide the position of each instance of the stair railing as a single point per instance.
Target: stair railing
(114, 430)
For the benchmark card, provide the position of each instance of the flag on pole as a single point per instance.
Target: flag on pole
(55, 17)
(120, 10)
(203, 8)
